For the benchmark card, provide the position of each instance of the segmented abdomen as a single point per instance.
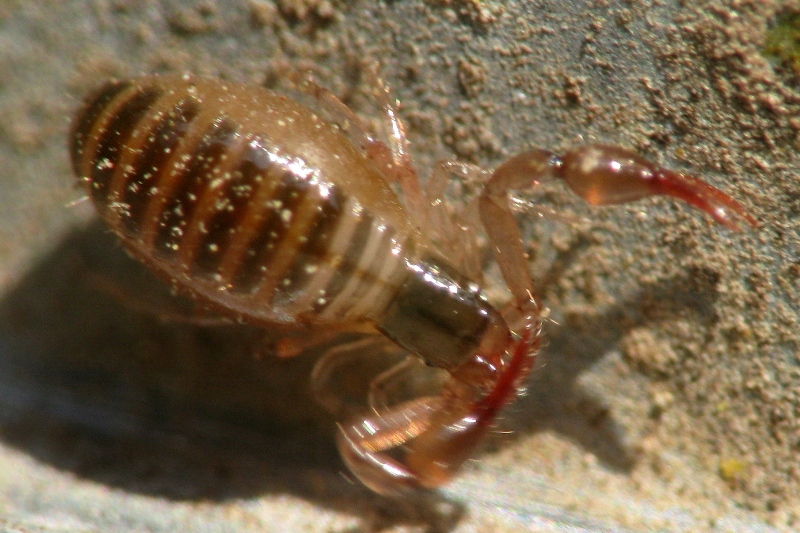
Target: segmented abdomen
(233, 213)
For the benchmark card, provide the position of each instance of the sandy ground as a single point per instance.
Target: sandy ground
(667, 399)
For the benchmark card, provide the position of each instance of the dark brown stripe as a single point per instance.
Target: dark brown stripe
(149, 164)
(315, 250)
(290, 193)
(190, 185)
(347, 268)
(234, 200)
(114, 137)
(93, 108)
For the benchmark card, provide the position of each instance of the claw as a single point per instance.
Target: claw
(605, 175)
(420, 444)
(697, 193)
(365, 445)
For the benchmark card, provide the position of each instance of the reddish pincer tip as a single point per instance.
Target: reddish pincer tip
(697, 193)
(517, 370)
